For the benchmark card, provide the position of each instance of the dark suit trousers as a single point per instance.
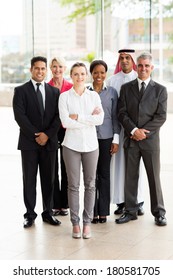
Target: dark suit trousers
(60, 197)
(102, 199)
(151, 160)
(31, 161)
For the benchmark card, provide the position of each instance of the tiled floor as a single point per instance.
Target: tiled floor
(136, 240)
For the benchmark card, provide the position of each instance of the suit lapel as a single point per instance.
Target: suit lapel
(135, 89)
(148, 88)
(32, 92)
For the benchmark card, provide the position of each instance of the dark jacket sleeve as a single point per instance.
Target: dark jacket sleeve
(22, 112)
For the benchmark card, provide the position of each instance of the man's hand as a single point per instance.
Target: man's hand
(114, 148)
(140, 134)
(41, 138)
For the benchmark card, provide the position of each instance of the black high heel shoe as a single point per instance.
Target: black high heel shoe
(95, 221)
(102, 220)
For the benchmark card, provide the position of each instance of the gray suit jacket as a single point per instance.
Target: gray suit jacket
(148, 112)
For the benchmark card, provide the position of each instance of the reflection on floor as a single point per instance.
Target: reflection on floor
(136, 240)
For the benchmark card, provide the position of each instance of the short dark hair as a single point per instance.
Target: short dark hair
(94, 63)
(78, 64)
(38, 58)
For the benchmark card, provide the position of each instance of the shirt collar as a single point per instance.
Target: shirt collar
(34, 83)
(90, 87)
(127, 74)
(86, 90)
(146, 81)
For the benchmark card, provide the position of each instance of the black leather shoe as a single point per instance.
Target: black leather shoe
(102, 220)
(141, 211)
(125, 218)
(160, 221)
(51, 220)
(28, 222)
(95, 221)
(120, 209)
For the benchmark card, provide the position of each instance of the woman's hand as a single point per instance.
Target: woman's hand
(73, 116)
(96, 111)
(114, 148)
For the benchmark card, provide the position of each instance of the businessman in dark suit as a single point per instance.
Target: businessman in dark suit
(35, 106)
(142, 111)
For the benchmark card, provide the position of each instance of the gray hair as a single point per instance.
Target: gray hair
(145, 55)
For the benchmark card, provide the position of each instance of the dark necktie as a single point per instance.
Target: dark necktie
(40, 99)
(141, 92)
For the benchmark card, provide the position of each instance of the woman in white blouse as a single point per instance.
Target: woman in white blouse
(80, 111)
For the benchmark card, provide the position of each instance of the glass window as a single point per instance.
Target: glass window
(42, 27)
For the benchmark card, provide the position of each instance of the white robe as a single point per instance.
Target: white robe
(117, 167)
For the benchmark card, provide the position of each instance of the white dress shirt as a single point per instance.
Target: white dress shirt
(146, 82)
(117, 80)
(80, 134)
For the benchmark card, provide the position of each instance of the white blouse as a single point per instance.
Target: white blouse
(80, 134)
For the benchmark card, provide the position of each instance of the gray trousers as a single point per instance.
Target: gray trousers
(73, 161)
(151, 160)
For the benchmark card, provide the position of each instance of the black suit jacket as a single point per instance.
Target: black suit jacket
(148, 112)
(29, 119)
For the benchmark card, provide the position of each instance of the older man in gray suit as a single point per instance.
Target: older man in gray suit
(142, 111)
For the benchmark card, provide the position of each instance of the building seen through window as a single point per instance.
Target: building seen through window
(42, 27)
